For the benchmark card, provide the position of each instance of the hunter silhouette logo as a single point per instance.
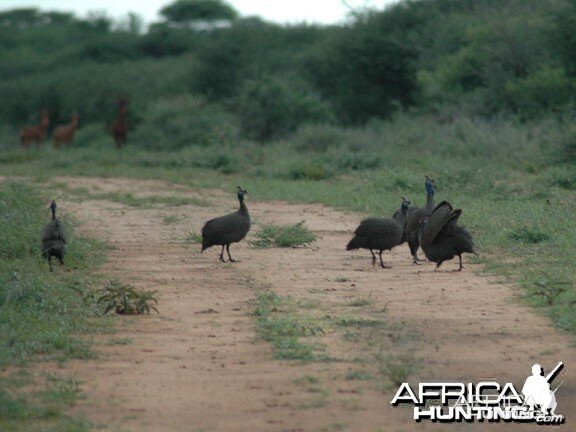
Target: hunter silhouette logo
(537, 390)
(485, 400)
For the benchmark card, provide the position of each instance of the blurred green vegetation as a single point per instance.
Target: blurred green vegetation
(451, 58)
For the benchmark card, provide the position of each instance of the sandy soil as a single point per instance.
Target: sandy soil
(200, 366)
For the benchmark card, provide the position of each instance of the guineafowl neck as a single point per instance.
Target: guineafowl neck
(53, 214)
(430, 202)
(243, 209)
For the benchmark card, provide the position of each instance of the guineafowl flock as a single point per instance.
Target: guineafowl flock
(432, 228)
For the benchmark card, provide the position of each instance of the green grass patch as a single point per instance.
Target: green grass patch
(397, 369)
(283, 236)
(530, 235)
(359, 323)
(170, 219)
(358, 375)
(280, 323)
(120, 341)
(23, 410)
(194, 237)
(44, 316)
(359, 303)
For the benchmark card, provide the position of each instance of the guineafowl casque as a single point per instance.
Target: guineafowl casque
(228, 229)
(441, 238)
(380, 233)
(54, 239)
(415, 216)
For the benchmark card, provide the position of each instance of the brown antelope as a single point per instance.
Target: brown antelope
(120, 125)
(63, 135)
(37, 134)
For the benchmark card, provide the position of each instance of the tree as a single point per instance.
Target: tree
(191, 13)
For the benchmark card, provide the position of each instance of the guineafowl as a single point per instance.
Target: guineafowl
(401, 214)
(380, 233)
(415, 216)
(54, 239)
(441, 238)
(228, 229)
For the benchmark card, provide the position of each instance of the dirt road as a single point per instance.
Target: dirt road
(200, 365)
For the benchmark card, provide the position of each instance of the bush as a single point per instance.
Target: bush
(318, 138)
(309, 171)
(547, 90)
(271, 108)
(92, 135)
(184, 121)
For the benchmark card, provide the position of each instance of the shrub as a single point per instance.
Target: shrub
(318, 138)
(548, 89)
(127, 300)
(271, 108)
(183, 121)
(92, 135)
(309, 171)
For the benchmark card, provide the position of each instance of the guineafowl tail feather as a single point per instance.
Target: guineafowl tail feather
(355, 243)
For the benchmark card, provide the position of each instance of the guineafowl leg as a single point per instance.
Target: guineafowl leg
(382, 264)
(461, 266)
(373, 256)
(414, 252)
(222, 254)
(50, 262)
(230, 256)
(61, 261)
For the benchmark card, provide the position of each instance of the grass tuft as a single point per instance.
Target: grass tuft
(278, 322)
(283, 236)
(530, 235)
(126, 300)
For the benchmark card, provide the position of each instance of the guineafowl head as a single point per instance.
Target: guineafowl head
(430, 186)
(405, 203)
(241, 193)
(53, 207)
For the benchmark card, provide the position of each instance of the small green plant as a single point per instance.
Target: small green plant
(359, 303)
(531, 235)
(194, 237)
(279, 323)
(283, 236)
(341, 279)
(170, 219)
(309, 171)
(397, 369)
(360, 323)
(126, 300)
(549, 288)
(358, 375)
(120, 341)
